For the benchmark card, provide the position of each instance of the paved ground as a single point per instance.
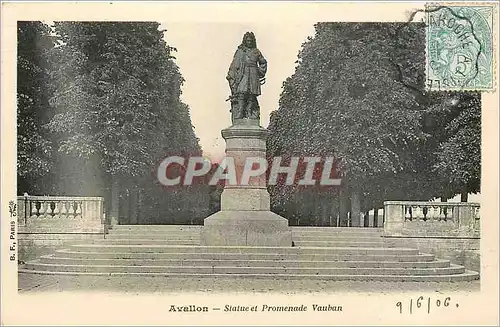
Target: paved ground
(29, 283)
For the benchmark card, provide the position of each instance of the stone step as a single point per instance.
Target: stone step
(198, 231)
(194, 241)
(245, 256)
(312, 229)
(132, 241)
(334, 237)
(169, 230)
(194, 232)
(237, 249)
(59, 236)
(335, 234)
(155, 235)
(51, 259)
(467, 276)
(328, 253)
(350, 243)
(155, 227)
(451, 270)
(317, 243)
(295, 229)
(195, 236)
(359, 232)
(198, 228)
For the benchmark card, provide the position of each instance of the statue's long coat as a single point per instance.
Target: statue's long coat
(247, 69)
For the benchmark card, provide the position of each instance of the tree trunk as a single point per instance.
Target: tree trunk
(316, 210)
(464, 196)
(124, 208)
(115, 198)
(375, 217)
(300, 209)
(325, 209)
(139, 206)
(343, 204)
(367, 218)
(355, 209)
(334, 212)
(134, 204)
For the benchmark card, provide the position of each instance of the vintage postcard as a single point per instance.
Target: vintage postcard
(249, 163)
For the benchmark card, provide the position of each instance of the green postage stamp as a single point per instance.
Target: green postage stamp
(460, 49)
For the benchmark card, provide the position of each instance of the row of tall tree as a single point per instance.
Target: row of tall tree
(98, 109)
(358, 94)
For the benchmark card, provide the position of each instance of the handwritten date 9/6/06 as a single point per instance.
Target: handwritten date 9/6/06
(428, 304)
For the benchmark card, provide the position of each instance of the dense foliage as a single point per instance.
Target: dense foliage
(113, 112)
(358, 94)
(34, 147)
(99, 107)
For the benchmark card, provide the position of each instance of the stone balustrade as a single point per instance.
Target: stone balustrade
(443, 219)
(60, 213)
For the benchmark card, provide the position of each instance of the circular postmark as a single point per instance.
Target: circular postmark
(458, 49)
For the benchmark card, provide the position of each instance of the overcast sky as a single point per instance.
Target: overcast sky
(205, 51)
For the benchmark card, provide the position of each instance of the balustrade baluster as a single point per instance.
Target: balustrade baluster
(43, 209)
(71, 210)
(56, 209)
(50, 210)
(34, 209)
(425, 213)
(408, 213)
(444, 214)
(78, 211)
(64, 210)
(430, 212)
(433, 213)
(417, 212)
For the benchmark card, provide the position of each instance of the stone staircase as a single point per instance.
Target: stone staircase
(319, 253)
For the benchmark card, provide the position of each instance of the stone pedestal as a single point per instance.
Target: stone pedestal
(245, 217)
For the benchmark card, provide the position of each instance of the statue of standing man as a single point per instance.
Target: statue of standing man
(245, 76)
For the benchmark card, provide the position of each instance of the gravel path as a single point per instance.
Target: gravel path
(29, 283)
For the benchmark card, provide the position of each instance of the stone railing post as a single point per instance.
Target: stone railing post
(476, 217)
(393, 217)
(115, 202)
(23, 209)
(100, 210)
(466, 219)
(93, 210)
